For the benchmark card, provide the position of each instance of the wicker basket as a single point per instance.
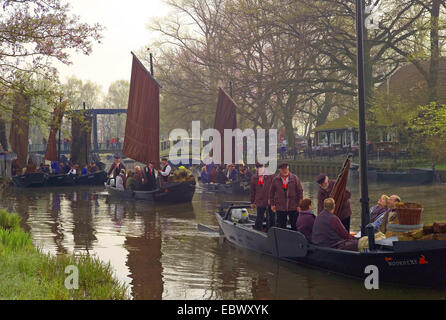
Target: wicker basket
(409, 213)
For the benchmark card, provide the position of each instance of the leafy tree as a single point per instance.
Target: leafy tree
(428, 129)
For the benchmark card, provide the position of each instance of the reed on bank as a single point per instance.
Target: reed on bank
(26, 273)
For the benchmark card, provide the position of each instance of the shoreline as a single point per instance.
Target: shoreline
(29, 274)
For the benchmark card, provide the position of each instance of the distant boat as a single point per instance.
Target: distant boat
(226, 118)
(415, 176)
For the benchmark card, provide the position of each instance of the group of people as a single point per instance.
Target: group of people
(72, 169)
(140, 179)
(221, 174)
(280, 198)
(115, 143)
(55, 168)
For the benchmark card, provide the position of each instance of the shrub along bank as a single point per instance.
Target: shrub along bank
(27, 273)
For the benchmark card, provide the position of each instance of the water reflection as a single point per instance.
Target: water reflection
(160, 254)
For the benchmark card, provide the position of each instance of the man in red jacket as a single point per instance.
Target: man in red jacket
(260, 186)
(325, 188)
(285, 195)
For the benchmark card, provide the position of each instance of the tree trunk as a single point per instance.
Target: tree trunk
(432, 81)
(3, 140)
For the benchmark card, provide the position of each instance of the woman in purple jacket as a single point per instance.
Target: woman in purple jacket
(306, 219)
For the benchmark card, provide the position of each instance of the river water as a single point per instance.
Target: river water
(159, 253)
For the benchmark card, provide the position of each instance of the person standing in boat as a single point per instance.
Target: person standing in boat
(165, 171)
(260, 187)
(116, 168)
(328, 230)
(285, 195)
(149, 177)
(325, 188)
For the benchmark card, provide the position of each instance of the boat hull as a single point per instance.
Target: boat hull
(61, 180)
(236, 187)
(97, 178)
(170, 193)
(32, 180)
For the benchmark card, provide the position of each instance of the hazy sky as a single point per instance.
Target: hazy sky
(126, 30)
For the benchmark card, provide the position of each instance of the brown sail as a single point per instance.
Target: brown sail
(141, 142)
(341, 184)
(225, 118)
(51, 149)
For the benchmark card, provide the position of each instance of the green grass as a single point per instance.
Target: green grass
(28, 274)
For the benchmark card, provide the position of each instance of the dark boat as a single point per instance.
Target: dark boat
(418, 176)
(234, 187)
(92, 179)
(60, 180)
(29, 180)
(175, 192)
(420, 263)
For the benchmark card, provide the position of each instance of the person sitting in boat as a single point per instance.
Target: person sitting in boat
(204, 175)
(43, 168)
(15, 168)
(328, 230)
(92, 168)
(221, 176)
(55, 167)
(213, 173)
(149, 177)
(131, 181)
(379, 209)
(306, 219)
(30, 167)
(166, 170)
(85, 171)
(120, 181)
(73, 170)
(325, 188)
(259, 191)
(116, 168)
(389, 216)
(285, 195)
(138, 175)
(231, 173)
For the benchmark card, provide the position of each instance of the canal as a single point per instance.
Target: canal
(159, 253)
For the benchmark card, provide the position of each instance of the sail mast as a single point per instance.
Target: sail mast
(365, 218)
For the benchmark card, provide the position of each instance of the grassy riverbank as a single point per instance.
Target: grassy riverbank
(27, 273)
